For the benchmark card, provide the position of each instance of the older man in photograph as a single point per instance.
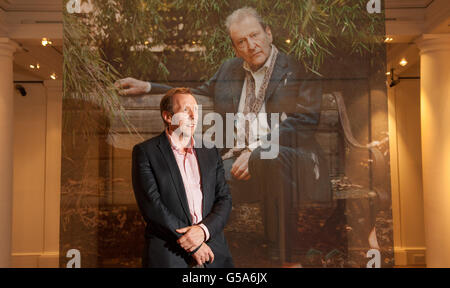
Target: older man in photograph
(263, 80)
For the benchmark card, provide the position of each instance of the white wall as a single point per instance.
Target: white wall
(406, 173)
(35, 231)
(29, 175)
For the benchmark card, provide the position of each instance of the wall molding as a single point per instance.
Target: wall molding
(35, 260)
(410, 256)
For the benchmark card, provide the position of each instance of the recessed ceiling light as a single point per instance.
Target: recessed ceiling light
(53, 76)
(403, 62)
(37, 66)
(46, 41)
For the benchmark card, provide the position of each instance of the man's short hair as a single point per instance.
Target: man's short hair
(240, 14)
(166, 103)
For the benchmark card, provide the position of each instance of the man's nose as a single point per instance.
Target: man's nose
(251, 44)
(191, 114)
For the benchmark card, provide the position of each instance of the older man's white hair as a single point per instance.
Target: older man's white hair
(242, 13)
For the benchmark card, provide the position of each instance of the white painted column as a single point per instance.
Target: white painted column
(7, 48)
(50, 256)
(435, 129)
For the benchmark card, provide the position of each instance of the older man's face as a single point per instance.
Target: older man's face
(251, 42)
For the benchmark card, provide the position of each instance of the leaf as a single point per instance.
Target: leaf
(313, 252)
(333, 253)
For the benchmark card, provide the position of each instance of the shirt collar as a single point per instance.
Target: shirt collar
(266, 64)
(176, 145)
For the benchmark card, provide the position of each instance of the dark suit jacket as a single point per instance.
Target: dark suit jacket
(161, 198)
(291, 90)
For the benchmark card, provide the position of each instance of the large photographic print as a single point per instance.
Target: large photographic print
(311, 71)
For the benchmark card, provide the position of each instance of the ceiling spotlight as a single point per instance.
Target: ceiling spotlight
(38, 66)
(388, 39)
(46, 42)
(32, 66)
(388, 73)
(288, 41)
(403, 62)
(53, 76)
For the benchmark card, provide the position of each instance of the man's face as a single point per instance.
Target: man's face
(251, 42)
(185, 115)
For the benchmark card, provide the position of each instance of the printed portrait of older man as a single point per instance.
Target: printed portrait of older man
(263, 80)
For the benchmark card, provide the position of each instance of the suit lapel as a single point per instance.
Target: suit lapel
(279, 73)
(167, 152)
(237, 83)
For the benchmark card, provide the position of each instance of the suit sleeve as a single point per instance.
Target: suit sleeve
(148, 196)
(206, 89)
(216, 220)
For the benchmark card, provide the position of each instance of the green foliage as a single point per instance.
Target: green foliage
(89, 77)
(141, 38)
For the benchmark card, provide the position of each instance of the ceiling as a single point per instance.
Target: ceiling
(32, 52)
(49, 58)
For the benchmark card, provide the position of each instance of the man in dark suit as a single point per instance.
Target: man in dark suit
(181, 192)
(264, 81)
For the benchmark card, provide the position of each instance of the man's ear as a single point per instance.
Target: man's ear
(236, 52)
(269, 33)
(167, 117)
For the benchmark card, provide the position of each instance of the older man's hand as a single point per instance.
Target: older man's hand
(239, 170)
(192, 238)
(130, 86)
(203, 255)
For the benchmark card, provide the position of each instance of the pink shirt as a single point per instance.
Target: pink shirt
(190, 172)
